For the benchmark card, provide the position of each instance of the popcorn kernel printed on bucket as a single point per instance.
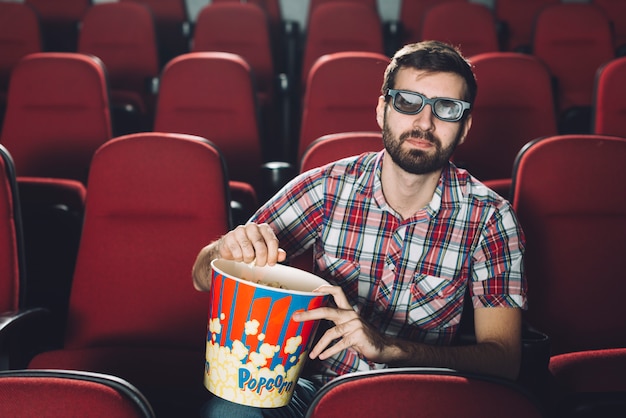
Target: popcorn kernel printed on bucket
(292, 344)
(252, 327)
(214, 326)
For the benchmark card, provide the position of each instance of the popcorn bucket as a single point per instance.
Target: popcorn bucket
(255, 351)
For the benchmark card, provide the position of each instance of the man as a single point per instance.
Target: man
(402, 235)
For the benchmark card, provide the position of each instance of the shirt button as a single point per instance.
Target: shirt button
(391, 266)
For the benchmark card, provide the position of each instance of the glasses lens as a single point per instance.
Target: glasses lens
(448, 109)
(408, 102)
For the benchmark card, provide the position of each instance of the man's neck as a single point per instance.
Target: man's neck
(407, 193)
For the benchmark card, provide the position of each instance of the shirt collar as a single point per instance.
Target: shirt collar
(372, 186)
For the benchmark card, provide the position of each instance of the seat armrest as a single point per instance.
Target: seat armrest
(19, 336)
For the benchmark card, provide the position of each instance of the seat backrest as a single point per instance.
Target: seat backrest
(57, 114)
(470, 26)
(284, 34)
(20, 35)
(64, 393)
(411, 16)
(271, 7)
(569, 200)
(243, 29)
(123, 36)
(313, 4)
(11, 253)
(341, 26)
(339, 99)
(616, 11)
(519, 17)
(609, 102)
(336, 146)
(153, 200)
(422, 392)
(513, 106)
(211, 94)
(573, 55)
(172, 25)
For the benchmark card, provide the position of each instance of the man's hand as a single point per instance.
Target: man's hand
(251, 242)
(350, 331)
(246, 243)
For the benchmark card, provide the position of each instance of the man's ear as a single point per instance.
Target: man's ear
(467, 124)
(380, 111)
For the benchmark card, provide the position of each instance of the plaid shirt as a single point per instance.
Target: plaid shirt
(406, 277)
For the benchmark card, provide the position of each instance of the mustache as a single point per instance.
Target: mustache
(418, 133)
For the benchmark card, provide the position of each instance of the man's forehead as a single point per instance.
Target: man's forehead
(430, 83)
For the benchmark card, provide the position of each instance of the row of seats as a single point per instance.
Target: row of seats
(335, 26)
(505, 24)
(155, 198)
(210, 94)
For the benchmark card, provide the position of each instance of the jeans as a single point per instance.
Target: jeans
(303, 395)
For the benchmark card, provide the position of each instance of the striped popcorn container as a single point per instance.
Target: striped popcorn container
(254, 350)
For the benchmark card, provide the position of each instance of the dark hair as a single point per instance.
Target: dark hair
(432, 56)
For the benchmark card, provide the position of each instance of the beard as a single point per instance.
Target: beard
(416, 161)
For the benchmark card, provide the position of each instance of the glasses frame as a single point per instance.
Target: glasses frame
(393, 93)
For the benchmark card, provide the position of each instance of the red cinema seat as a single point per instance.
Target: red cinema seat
(211, 94)
(20, 35)
(518, 18)
(573, 57)
(469, 26)
(243, 29)
(338, 99)
(412, 15)
(285, 34)
(172, 26)
(154, 199)
(58, 114)
(514, 105)
(609, 102)
(590, 383)
(69, 393)
(333, 147)
(340, 26)
(123, 36)
(422, 392)
(565, 193)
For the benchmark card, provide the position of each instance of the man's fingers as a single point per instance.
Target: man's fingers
(341, 335)
(250, 243)
(338, 296)
(266, 246)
